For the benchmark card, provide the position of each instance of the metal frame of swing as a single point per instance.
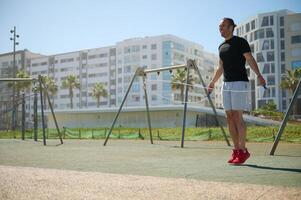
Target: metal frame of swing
(286, 117)
(41, 83)
(143, 72)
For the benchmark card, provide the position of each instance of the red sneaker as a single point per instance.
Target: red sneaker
(233, 156)
(241, 157)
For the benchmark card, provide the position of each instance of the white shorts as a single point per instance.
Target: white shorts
(236, 95)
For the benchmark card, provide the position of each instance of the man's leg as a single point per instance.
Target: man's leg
(232, 128)
(240, 127)
(243, 153)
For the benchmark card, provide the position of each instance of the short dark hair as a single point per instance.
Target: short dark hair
(231, 22)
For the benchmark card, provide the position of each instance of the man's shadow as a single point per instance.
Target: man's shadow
(273, 168)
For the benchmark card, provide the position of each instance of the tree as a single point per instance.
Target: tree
(70, 83)
(290, 82)
(50, 86)
(99, 91)
(179, 80)
(20, 86)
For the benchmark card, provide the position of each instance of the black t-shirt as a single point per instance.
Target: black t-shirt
(231, 53)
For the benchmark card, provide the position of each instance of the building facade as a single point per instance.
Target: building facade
(266, 34)
(7, 70)
(293, 47)
(114, 67)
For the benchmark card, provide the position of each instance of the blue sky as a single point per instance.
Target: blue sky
(58, 26)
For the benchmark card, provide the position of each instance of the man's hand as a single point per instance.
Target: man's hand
(210, 87)
(261, 80)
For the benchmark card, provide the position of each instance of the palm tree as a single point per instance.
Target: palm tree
(20, 86)
(290, 82)
(71, 82)
(50, 86)
(99, 91)
(179, 80)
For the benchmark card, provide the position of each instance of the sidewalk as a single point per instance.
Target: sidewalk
(32, 183)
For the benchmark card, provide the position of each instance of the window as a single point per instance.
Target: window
(259, 34)
(282, 56)
(102, 65)
(127, 69)
(247, 27)
(273, 92)
(253, 25)
(281, 21)
(144, 57)
(296, 52)
(272, 44)
(269, 33)
(178, 46)
(67, 60)
(261, 103)
(271, 20)
(259, 57)
(266, 68)
(127, 49)
(270, 56)
(265, 21)
(166, 75)
(119, 89)
(135, 48)
(282, 44)
(267, 93)
(283, 68)
(126, 79)
(136, 88)
(154, 87)
(266, 45)
(271, 80)
(296, 64)
(144, 46)
(119, 70)
(251, 36)
(272, 68)
(252, 48)
(296, 39)
(281, 33)
(153, 46)
(136, 98)
(166, 87)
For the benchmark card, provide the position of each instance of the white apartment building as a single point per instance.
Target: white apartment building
(265, 33)
(22, 59)
(292, 41)
(114, 66)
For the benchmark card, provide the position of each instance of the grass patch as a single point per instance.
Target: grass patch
(292, 133)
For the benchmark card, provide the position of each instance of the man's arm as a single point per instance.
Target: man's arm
(216, 76)
(251, 61)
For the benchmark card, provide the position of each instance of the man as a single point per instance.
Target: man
(233, 53)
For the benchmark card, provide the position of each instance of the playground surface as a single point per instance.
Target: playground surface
(135, 169)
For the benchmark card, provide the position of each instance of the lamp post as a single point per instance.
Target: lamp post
(14, 75)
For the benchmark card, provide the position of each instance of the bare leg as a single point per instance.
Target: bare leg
(240, 127)
(232, 129)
